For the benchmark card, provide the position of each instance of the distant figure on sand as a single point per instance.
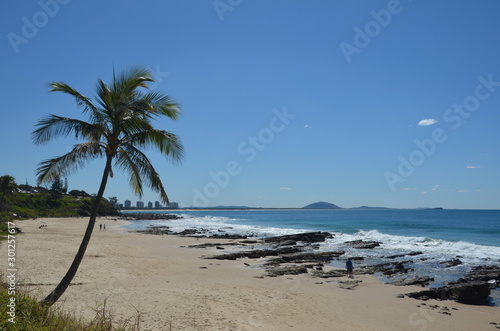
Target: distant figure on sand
(104, 227)
(349, 267)
(100, 227)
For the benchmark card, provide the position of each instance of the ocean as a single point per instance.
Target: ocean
(472, 236)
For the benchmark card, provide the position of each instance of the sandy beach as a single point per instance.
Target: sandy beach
(172, 287)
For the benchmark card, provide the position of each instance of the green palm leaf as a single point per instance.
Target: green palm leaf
(64, 165)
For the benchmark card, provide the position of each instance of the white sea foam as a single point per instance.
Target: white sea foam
(436, 249)
(212, 225)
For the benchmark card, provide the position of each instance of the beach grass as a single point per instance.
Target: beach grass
(31, 315)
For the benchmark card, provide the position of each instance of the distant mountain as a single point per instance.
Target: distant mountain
(322, 205)
(366, 207)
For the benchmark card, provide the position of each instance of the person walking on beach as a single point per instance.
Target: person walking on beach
(104, 227)
(350, 268)
(100, 227)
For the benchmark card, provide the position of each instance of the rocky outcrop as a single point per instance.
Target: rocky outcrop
(360, 244)
(288, 270)
(292, 239)
(329, 274)
(388, 268)
(157, 230)
(403, 255)
(325, 257)
(413, 280)
(256, 254)
(451, 263)
(482, 273)
(148, 216)
(473, 288)
(470, 293)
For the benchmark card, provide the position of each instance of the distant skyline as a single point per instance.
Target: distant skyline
(284, 103)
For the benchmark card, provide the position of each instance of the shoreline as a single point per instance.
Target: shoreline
(169, 283)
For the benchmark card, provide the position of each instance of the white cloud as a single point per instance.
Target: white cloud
(474, 167)
(285, 188)
(306, 126)
(462, 191)
(410, 189)
(427, 122)
(423, 192)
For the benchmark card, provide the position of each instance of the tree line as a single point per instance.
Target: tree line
(26, 201)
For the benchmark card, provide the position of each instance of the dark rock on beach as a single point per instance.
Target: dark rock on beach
(309, 237)
(256, 254)
(403, 255)
(148, 216)
(451, 263)
(329, 274)
(324, 257)
(156, 230)
(482, 273)
(227, 236)
(360, 244)
(216, 245)
(473, 288)
(388, 268)
(469, 293)
(413, 280)
(288, 270)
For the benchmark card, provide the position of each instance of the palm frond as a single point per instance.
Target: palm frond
(140, 169)
(54, 126)
(81, 100)
(103, 94)
(165, 142)
(158, 104)
(129, 80)
(64, 165)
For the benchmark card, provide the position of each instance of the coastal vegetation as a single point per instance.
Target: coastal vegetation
(25, 201)
(32, 315)
(118, 128)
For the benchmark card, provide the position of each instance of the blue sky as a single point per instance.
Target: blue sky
(284, 102)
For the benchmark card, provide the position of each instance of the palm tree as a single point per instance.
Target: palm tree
(8, 186)
(118, 127)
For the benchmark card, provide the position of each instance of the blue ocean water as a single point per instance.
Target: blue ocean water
(473, 236)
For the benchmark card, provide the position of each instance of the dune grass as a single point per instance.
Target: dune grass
(31, 315)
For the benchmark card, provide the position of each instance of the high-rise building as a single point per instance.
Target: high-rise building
(128, 203)
(150, 205)
(173, 205)
(157, 205)
(139, 204)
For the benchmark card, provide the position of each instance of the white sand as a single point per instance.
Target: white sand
(172, 286)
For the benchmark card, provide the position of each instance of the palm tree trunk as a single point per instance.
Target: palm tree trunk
(70, 274)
